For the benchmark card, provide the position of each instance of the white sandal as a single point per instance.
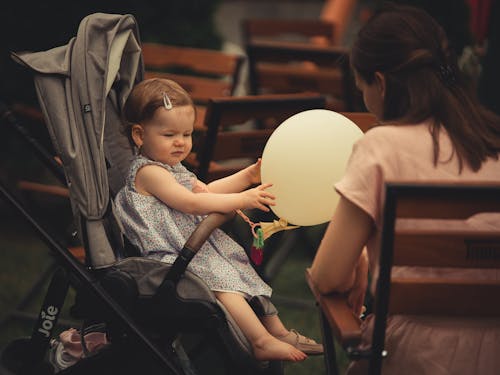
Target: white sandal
(304, 344)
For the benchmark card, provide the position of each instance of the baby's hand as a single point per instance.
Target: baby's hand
(254, 172)
(199, 187)
(258, 197)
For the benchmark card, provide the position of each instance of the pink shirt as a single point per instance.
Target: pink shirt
(405, 153)
(421, 346)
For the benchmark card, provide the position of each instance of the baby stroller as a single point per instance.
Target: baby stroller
(148, 308)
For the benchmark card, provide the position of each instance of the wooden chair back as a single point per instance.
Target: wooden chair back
(287, 67)
(287, 29)
(211, 73)
(203, 73)
(267, 110)
(412, 236)
(297, 55)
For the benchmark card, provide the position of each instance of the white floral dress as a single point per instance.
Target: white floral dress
(160, 232)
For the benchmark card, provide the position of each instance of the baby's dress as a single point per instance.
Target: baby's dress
(160, 232)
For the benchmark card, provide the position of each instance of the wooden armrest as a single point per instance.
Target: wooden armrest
(346, 327)
(43, 188)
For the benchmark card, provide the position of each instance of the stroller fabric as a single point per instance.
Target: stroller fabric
(81, 88)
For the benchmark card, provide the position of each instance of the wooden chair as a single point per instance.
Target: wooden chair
(424, 246)
(289, 66)
(298, 30)
(295, 55)
(203, 73)
(219, 146)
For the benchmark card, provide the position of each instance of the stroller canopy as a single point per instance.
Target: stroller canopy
(82, 87)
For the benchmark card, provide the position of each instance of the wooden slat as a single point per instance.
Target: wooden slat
(203, 73)
(282, 66)
(304, 28)
(197, 59)
(278, 51)
(446, 204)
(237, 110)
(300, 77)
(43, 188)
(241, 144)
(444, 297)
(450, 248)
(200, 89)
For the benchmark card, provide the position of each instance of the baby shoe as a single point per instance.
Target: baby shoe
(304, 344)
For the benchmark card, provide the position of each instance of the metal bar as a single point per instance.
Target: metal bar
(82, 276)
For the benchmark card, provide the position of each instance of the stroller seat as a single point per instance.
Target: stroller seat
(81, 88)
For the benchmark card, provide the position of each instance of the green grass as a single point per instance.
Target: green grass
(23, 257)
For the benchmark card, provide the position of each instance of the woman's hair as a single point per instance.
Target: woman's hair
(423, 81)
(149, 95)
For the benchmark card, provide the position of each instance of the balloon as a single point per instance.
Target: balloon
(304, 157)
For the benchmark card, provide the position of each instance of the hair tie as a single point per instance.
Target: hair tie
(447, 74)
(166, 101)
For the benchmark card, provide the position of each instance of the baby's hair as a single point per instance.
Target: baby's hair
(149, 95)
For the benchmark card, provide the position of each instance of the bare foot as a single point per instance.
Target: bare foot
(269, 348)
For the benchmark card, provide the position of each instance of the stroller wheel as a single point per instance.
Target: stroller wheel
(15, 355)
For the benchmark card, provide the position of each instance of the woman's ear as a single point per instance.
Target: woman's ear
(137, 134)
(380, 80)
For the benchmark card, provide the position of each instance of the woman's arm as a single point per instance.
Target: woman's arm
(356, 297)
(337, 258)
(157, 181)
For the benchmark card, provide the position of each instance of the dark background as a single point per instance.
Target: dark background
(41, 25)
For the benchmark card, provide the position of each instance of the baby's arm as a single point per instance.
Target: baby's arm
(239, 181)
(157, 181)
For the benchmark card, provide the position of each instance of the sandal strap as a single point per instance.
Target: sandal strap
(301, 338)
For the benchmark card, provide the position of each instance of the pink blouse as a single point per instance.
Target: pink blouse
(405, 153)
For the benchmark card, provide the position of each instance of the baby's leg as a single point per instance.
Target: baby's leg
(274, 325)
(265, 346)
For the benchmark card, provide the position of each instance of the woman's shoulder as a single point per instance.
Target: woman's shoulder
(395, 136)
(389, 129)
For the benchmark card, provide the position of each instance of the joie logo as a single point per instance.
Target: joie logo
(48, 318)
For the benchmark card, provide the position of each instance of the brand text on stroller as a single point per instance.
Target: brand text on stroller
(48, 320)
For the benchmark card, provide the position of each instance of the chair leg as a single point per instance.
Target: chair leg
(330, 356)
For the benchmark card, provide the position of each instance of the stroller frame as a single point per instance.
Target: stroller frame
(112, 286)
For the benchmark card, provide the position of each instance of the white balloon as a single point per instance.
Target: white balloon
(304, 157)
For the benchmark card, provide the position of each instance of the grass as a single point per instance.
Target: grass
(23, 257)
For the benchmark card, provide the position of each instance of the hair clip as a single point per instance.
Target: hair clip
(166, 101)
(447, 74)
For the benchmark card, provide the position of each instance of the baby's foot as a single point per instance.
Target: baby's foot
(269, 348)
(305, 344)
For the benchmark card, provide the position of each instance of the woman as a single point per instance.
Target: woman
(432, 128)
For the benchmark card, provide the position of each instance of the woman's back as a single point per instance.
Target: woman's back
(438, 346)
